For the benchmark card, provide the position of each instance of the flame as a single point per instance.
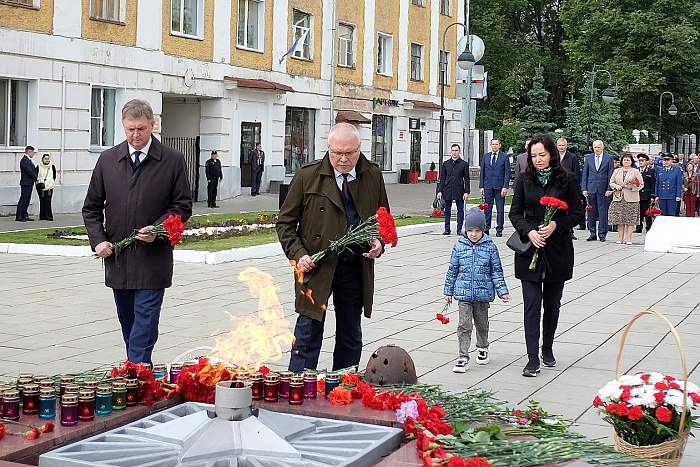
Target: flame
(256, 339)
(298, 272)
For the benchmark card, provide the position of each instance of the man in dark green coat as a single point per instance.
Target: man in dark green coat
(325, 198)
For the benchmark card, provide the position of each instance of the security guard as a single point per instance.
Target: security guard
(669, 186)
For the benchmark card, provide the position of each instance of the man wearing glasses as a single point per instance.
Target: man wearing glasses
(326, 197)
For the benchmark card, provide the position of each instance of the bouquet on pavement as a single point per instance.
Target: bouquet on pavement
(552, 204)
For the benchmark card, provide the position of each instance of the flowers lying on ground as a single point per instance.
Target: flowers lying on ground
(646, 408)
(150, 390)
(339, 396)
(33, 433)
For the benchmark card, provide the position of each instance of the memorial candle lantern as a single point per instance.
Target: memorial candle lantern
(86, 405)
(118, 395)
(21, 381)
(103, 400)
(90, 384)
(47, 383)
(47, 403)
(30, 399)
(25, 376)
(39, 378)
(71, 388)
(285, 379)
(256, 381)
(66, 380)
(159, 370)
(310, 387)
(175, 370)
(132, 392)
(3, 387)
(296, 390)
(332, 381)
(69, 410)
(272, 387)
(10, 405)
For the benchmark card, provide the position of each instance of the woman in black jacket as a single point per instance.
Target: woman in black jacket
(543, 286)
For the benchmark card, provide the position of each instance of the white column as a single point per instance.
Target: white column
(404, 46)
(369, 61)
(222, 31)
(149, 28)
(435, 45)
(280, 27)
(67, 18)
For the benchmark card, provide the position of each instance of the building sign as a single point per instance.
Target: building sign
(402, 135)
(388, 102)
(414, 123)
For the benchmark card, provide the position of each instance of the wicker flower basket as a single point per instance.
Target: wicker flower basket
(669, 453)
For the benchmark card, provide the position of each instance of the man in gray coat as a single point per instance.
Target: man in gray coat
(454, 186)
(135, 186)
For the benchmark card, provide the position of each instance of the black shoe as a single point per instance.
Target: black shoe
(582, 227)
(573, 237)
(28, 219)
(602, 239)
(215, 206)
(499, 234)
(20, 220)
(459, 232)
(638, 231)
(591, 238)
(446, 232)
(532, 367)
(548, 359)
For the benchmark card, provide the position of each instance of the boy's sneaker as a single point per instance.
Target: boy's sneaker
(548, 359)
(482, 356)
(532, 367)
(461, 366)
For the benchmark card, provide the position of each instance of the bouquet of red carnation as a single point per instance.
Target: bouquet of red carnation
(441, 316)
(150, 390)
(634, 182)
(170, 229)
(438, 213)
(483, 205)
(552, 204)
(380, 225)
(653, 210)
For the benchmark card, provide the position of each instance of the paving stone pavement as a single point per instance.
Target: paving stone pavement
(57, 315)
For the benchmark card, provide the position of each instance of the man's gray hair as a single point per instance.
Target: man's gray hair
(562, 139)
(137, 108)
(343, 128)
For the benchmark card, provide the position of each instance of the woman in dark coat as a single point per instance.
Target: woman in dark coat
(543, 286)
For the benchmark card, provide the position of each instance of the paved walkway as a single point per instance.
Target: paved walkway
(57, 315)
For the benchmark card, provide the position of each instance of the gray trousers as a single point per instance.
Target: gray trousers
(472, 314)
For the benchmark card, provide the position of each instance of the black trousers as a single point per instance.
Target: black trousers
(538, 295)
(212, 185)
(45, 212)
(256, 179)
(643, 218)
(347, 302)
(25, 197)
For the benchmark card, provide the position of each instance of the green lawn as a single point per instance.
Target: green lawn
(260, 237)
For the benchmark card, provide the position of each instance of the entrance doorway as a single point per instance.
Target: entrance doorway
(415, 147)
(250, 135)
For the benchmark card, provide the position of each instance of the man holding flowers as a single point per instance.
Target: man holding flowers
(327, 197)
(137, 186)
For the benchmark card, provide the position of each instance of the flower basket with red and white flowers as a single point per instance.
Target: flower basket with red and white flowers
(650, 412)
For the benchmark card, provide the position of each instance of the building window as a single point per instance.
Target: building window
(298, 138)
(446, 7)
(102, 113)
(251, 14)
(345, 45)
(108, 10)
(416, 62)
(187, 18)
(29, 3)
(385, 46)
(13, 112)
(418, 2)
(302, 34)
(382, 129)
(445, 67)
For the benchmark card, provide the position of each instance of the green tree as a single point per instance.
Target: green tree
(533, 116)
(600, 120)
(574, 127)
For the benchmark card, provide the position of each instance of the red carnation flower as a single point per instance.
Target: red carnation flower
(661, 386)
(659, 396)
(669, 378)
(635, 413)
(477, 462)
(3, 430)
(33, 434)
(264, 370)
(645, 377)
(663, 414)
(597, 401)
(611, 408)
(695, 397)
(387, 226)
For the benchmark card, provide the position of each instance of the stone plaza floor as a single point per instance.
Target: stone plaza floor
(57, 315)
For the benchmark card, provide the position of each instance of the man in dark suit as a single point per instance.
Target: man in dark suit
(28, 176)
(595, 184)
(135, 186)
(646, 194)
(325, 198)
(257, 164)
(570, 162)
(212, 169)
(493, 184)
(521, 162)
(454, 186)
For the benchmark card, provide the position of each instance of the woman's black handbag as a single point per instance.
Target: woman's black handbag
(40, 186)
(516, 244)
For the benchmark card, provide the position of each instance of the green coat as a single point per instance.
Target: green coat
(313, 215)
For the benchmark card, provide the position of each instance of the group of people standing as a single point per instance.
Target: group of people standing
(41, 177)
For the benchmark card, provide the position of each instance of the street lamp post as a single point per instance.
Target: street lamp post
(672, 110)
(608, 96)
(465, 61)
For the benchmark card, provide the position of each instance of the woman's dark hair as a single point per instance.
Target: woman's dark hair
(559, 173)
(627, 156)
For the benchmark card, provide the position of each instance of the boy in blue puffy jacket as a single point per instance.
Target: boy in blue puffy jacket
(474, 277)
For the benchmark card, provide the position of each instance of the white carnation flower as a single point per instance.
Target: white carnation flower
(611, 391)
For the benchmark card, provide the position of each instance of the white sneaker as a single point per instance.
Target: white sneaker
(461, 366)
(482, 356)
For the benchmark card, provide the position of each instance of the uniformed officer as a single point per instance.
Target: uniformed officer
(669, 186)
